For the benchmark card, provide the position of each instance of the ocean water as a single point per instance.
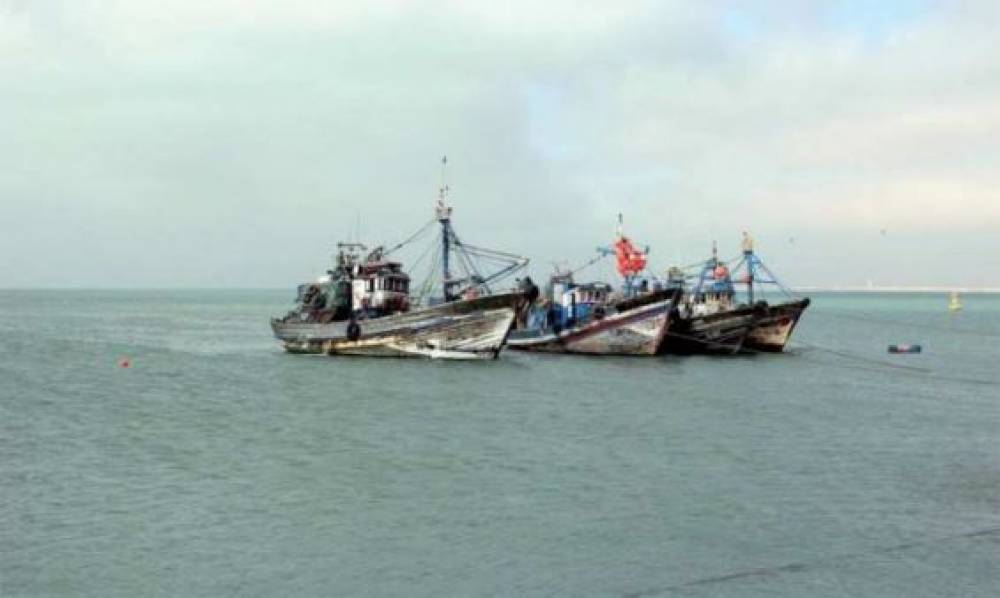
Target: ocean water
(217, 465)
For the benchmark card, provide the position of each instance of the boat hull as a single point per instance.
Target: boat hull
(771, 330)
(721, 333)
(472, 329)
(637, 331)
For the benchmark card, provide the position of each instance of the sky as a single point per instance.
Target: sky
(232, 143)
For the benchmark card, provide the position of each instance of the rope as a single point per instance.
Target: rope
(411, 238)
(871, 363)
(921, 372)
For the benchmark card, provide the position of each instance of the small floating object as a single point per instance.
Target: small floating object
(953, 303)
(905, 348)
(124, 362)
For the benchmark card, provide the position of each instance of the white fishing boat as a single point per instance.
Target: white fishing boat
(364, 305)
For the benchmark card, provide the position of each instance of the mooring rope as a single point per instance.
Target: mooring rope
(918, 371)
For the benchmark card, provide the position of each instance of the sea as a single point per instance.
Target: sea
(217, 465)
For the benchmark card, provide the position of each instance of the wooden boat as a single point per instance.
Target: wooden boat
(717, 333)
(465, 329)
(593, 319)
(601, 327)
(363, 305)
(707, 320)
(773, 323)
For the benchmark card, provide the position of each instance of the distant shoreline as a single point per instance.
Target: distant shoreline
(926, 290)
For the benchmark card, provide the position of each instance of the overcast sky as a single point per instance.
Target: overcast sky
(233, 142)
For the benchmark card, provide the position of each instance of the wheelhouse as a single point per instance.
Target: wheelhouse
(380, 286)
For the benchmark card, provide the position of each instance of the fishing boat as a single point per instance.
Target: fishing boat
(593, 318)
(364, 305)
(707, 319)
(773, 323)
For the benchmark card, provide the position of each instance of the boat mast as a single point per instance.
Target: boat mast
(708, 270)
(749, 258)
(443, 213)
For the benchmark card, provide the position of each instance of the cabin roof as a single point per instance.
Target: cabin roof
(382, 267)
(593, 286)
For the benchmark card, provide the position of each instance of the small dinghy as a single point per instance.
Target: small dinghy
(905, 348)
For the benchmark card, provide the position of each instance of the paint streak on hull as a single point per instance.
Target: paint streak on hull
(638, 331)
(474, 329)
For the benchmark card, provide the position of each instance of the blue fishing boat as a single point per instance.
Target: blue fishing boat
(595, 319)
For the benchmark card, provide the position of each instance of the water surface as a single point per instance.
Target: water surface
(218, 465)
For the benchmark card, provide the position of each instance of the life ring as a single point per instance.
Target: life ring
(353, 331)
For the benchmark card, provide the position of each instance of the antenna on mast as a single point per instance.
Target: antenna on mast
(443, 213)
(443, 210)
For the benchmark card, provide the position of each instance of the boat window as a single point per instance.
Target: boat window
(371, 285)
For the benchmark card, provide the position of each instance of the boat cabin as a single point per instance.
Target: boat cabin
(714, 291)
(371, 287)
(380, 286)
(580, 300)
(573, 302)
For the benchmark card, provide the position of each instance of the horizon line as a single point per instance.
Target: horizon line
(797, 289)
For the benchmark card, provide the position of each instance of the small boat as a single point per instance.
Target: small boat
(905, 349)
(363, 305)
(707, 320)
(773, 323)
(954, 304)
(592, 318)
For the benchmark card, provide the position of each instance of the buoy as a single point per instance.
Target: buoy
(124, 362)
(954, 304)
(905, 348)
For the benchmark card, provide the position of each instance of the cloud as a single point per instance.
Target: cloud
(239, 139)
